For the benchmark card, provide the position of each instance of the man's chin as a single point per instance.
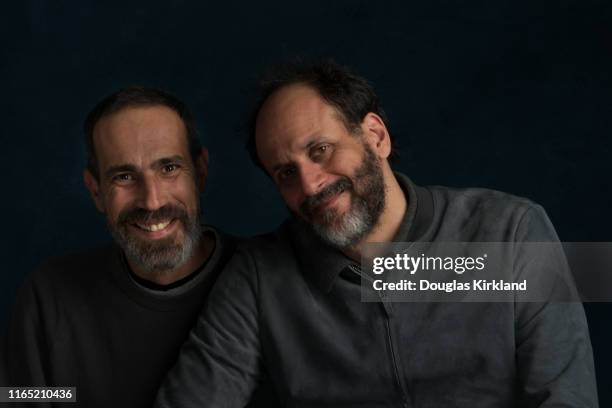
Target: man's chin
(154, 255)
(330, 220)
(341, 231)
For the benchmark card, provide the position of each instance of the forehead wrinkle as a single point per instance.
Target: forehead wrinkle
(134, 134)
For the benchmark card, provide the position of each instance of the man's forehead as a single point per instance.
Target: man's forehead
(295, 98)
(138, 133)
(292, 118)
(139, 120)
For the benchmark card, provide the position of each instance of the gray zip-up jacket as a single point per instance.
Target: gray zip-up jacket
(288, 306)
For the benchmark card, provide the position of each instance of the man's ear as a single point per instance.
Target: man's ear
(201, 169)
(376, 134)
(94, 189)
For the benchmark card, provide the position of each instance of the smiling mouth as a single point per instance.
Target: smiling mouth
(326, 206)
(319, 204)
(160, 226)
(328, 202)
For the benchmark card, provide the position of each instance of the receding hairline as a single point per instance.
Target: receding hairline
(305, 85)
(132, 107)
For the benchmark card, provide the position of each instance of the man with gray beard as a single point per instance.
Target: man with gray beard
(368, 201)
(290, 303)
(110, 321)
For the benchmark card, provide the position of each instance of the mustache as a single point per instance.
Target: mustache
(142, 216)
(309, 205)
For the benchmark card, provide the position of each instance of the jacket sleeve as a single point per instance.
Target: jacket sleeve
(553, 349)
(220, 363)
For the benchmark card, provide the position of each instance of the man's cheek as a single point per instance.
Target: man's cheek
(345, 200)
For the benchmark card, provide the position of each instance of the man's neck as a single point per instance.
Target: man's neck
(389, 222)
(201, 254)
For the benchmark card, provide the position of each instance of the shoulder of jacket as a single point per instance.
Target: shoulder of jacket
(481, 199)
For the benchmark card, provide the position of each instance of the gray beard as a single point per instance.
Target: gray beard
(161, 256)
(355, 225)
(367, 204)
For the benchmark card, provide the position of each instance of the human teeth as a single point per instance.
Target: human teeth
(154, 227)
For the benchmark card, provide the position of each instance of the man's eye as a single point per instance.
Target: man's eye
(320, 151)
(169, 168)
(123, 178)
(286, 173)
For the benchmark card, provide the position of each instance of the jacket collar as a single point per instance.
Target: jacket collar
(323, 263)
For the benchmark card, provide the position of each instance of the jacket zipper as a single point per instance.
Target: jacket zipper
(400, 384)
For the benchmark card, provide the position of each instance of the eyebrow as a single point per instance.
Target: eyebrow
(169, 160)
(120, 168)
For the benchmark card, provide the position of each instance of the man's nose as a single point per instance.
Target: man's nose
(150, 193)
(312, 179)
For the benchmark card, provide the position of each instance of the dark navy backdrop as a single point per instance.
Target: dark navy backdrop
(506, 94)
